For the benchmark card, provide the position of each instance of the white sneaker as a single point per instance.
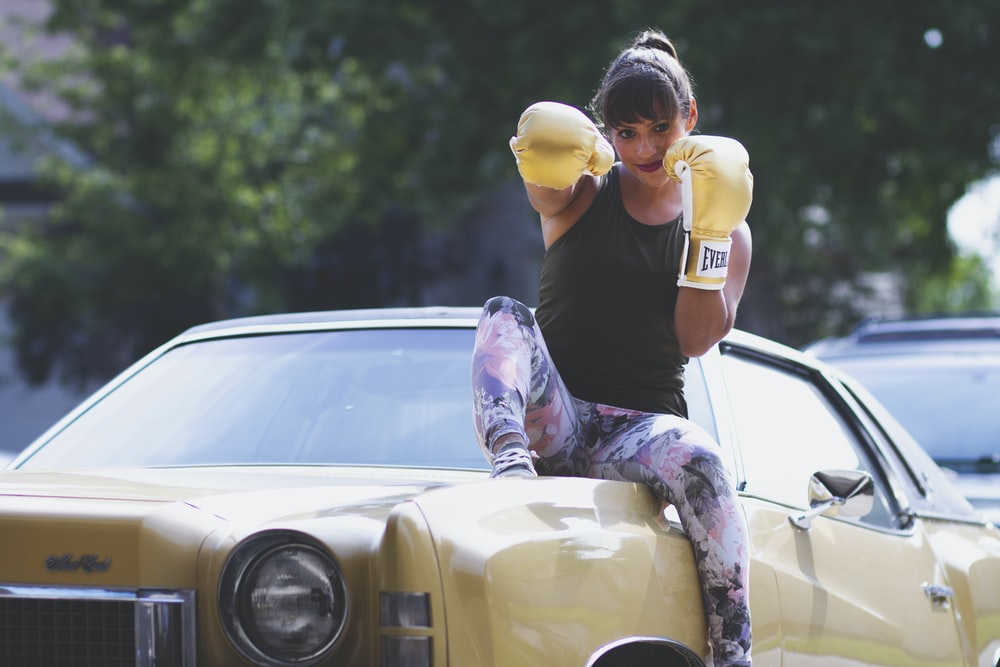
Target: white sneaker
(513, 460)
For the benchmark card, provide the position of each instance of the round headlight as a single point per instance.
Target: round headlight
(283, 600)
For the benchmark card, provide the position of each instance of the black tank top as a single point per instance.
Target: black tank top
(606, 307)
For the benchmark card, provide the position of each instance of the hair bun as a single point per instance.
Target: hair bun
(654, 39)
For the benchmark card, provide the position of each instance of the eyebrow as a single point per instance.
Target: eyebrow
(630, 124)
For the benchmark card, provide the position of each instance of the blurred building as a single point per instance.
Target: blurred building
(25, 411)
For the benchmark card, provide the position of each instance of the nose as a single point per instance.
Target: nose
(648, 146)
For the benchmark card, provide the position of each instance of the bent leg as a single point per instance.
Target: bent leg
(517, 391)
(681, 463)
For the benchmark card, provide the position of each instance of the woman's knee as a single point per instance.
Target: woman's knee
(707, 470)
(505, 304)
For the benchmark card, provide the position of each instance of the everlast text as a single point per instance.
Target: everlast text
(714, 259)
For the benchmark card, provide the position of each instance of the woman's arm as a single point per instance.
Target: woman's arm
(703, 317)
(559, 153)
(548, 201)
(560, 209)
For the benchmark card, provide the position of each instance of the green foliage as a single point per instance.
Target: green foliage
(861, 136)
(964, 287)
(254, 155)
(208, 177)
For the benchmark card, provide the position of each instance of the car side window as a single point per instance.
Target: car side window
(788, 429)
(696, 396)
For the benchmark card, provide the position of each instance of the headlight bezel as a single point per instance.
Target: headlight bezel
(234, 598)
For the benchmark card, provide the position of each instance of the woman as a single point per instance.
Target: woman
(646, 260)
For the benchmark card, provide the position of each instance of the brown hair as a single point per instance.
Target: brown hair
(646, 81)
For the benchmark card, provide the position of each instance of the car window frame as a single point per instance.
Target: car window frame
(710, 365)
(925, 486)
(867, 446)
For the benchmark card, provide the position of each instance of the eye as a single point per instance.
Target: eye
(662, 126)
(624, 133)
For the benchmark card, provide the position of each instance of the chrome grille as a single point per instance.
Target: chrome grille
(84, 627)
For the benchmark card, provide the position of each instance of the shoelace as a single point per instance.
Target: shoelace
(512, 457)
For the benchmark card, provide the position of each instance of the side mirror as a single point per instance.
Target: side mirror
(837, 493)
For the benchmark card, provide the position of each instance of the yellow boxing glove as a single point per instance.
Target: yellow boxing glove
(556, 144)
(716, 189)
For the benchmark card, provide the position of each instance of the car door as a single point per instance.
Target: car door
(862, 590)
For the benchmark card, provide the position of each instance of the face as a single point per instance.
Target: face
(642, 145)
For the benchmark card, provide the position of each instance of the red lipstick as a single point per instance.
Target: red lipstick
(650, 167)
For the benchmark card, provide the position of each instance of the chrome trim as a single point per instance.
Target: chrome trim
(952, 518)
(165, 623)
(940, 595)
(238, 330)
(837, 492)
(160, 616)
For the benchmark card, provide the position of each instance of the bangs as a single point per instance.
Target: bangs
(642, 94)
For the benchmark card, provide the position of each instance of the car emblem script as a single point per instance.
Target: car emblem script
(85, 563)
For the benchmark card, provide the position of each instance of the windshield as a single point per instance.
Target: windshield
(948, 403)
(400, 397)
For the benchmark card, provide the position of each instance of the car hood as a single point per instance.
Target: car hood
(459, 536)
(229, 492)
(982, 491)
(86, 525)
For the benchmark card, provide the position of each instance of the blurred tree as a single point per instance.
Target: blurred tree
(253, 155)
(211, 171)
(964, 287)
(865, 122)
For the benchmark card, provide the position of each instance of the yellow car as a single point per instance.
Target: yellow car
(306, 489)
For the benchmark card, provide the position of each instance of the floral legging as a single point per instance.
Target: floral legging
(518, 391)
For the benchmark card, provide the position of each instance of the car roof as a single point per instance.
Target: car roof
(357, 318)
(966, 334)
(423, 316)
